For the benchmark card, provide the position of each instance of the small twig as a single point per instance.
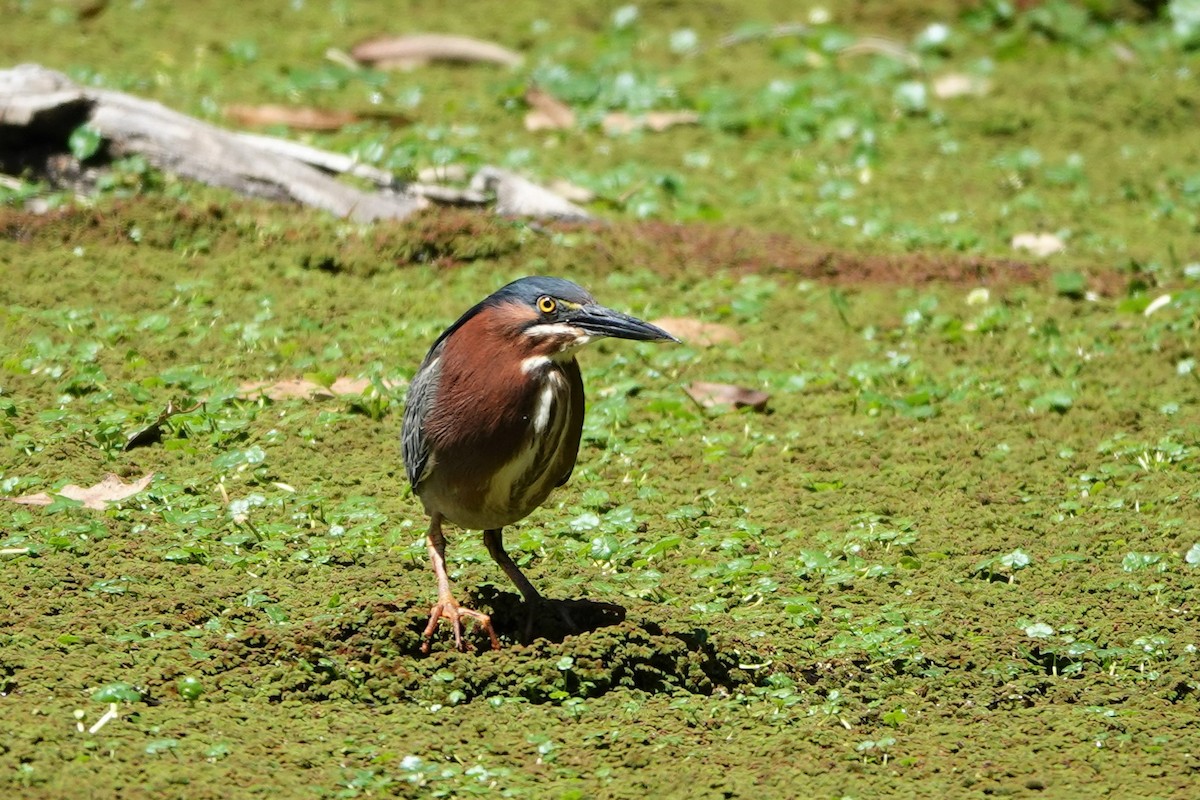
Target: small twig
(777, 32)
(625, 196)
(14, 551)
(879, 46)
(696, 401)
(108, 717)
(342, 59)
(865, 44)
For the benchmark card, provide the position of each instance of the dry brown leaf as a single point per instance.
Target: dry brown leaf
(547, 112)
(1040, 244)
(357, 385)
(661, 120)
(302, 387)
(280, 390)
(298, 117)
(304, 118)
(406, 52)
(726, 394)
(109, 490)
(621, 122)
(698, 333)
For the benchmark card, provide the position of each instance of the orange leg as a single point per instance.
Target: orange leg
(447, 606)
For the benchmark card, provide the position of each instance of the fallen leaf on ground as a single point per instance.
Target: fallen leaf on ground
(304, 118)
(302, 387)
(879, 46)
(109, 490)
(726, 394)
(621, 122)
(1040, 244)
(300, 118)
(406, 52)
(697, 332)
(357, 385)
(547, 112)
(958, 85)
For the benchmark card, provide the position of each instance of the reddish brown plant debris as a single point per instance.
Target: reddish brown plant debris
(448, 236)
(304, 118)
(698, 333)
(110, 490)
(547, 112)
(709, 395)
(301, 387)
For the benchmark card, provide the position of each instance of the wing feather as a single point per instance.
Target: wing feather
(575, 429)
(421, 393)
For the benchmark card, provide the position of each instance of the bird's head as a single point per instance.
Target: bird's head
(551, 318)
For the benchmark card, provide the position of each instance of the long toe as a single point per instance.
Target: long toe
(448, 608)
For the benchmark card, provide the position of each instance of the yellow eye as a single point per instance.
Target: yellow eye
(546, 305)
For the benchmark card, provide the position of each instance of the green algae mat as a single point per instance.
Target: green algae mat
(954, 556)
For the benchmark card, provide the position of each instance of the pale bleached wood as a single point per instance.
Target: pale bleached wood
(35, 97)
(40, 107)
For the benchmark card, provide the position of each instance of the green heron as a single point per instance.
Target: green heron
(493, 419)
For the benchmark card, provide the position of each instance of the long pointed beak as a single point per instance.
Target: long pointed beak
(598, 320)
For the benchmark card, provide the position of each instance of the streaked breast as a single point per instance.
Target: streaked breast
(527, 479)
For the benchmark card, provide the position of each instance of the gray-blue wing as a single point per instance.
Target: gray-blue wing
(420, 395)
(575, 380)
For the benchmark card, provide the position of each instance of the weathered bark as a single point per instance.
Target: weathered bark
(518, 197)
(39, 108)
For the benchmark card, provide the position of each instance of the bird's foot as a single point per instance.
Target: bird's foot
(448, 608)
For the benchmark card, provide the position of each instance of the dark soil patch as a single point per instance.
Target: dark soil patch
(371, 653)
(451, 237)
(680, 249)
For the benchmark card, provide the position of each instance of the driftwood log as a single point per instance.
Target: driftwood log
(39, 108)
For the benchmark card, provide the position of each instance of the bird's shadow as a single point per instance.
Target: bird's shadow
(553, 620)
